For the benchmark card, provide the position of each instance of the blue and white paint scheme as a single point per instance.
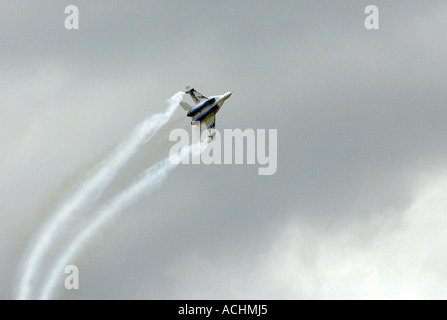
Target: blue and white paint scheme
(205, 109)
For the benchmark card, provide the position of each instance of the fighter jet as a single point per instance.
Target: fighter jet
(205, 109)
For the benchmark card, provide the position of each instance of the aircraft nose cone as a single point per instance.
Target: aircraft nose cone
(227, 95)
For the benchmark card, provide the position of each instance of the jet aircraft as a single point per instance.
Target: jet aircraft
(204, 109)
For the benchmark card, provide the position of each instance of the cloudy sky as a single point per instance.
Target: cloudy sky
(357, 206)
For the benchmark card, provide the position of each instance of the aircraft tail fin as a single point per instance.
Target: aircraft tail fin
(185, 106)
(196, 96)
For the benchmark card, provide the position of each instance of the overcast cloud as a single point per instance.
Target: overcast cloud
(357, 206)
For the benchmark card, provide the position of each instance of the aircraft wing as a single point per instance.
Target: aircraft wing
(195, 95)
(209, 123)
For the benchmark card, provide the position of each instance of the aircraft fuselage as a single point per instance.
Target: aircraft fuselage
(208, 107)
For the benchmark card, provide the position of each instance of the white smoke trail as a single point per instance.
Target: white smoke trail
(87, 194)
(146, 183)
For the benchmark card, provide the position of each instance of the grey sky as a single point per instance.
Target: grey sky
(361, 145)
